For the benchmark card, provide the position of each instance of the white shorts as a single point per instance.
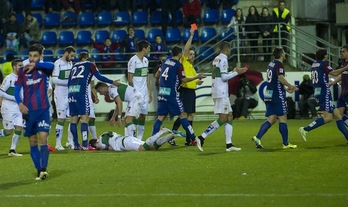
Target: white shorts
(134, 106)
(62, 104)
(11, 119)
(222, 106)
(145, 104)
(128, 143)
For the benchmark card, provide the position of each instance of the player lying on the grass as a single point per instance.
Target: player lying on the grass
(117, 142)
(127, 94)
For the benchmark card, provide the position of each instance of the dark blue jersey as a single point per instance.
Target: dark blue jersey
(171, 74)
(320, 77)
(275, 89)
(344, 79)
(80, 76)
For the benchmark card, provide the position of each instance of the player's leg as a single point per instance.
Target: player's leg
(340, 123)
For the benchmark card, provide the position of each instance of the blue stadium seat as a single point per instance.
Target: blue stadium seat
(60, 53)
(37, 4)
(66, 38)
(156, 18)
(24, 54)
(48, 56)
(140, 34)
(86, 19)
(1, 40)
(211, 16)
(104, 19)
(226, 15)
(20, 18)
(52, 20)
(83, 38)
(206, 53)
(208, 34)
(38, 18)
(173, 35)
(122, 18)
(8, 52)
(119, 56)
(96, 55)
(69, 19)
(187, 35)
(49, 38)
(226, 34)
(101, 35)
(179, 17)
(140, 18)
(152, 33)
(119, 34)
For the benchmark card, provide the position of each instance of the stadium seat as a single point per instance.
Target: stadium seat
(119, 34)
(66, 38)
(179, 17)
(52, 20)
(140, 18)
(38, 18)
(8, 52)
(173, 35)
(226, 15)
(156, 18)
(24, 54)
(122, 18)
(60, 53)
(152, 33)
(187, 35)
(101, 35)
(49, 38)
(20, 18)
(48, 56)
(69, 19)
(86, 19)
(84, 38)
(1, 40)
(37, 5)
(211, 16)
(208, 34)
(140, 34)
(96, 55)
(206, 53)
(119, 56)
(104, 19)
(226, 34)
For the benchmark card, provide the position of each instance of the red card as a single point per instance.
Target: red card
(194, 26)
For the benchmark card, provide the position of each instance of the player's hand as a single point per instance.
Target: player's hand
(112, 121)
(23, 108)
(199, 82)
(96, 100)
(119, 122)
(29, 67)
(201, 75)
(116, 83)
(241, 70)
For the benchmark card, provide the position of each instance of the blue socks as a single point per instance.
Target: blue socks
(39, 157)
(342, 128)
(283, 129)
(35, 156)
(73, 130)
(84, 133)
(187, 126)
(156, 126)
(263, 129)
(315, 124)
(44, 154)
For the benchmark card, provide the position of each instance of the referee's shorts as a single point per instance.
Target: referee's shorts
(188, 98)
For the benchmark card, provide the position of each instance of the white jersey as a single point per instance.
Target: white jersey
(219, 87)
(117, 142)
(125, 92)
(7, 90)
(140, 70)
(60, 76)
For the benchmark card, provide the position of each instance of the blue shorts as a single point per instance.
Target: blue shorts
(79, 104)
(37, 121)
(325, 103)
(168, 105)
(277, 107)
(342, 101)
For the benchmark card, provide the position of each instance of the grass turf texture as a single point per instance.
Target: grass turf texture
(315, 174)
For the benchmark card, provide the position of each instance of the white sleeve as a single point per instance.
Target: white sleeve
(131, 65)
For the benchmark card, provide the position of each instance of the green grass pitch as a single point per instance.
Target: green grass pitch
(315, 174)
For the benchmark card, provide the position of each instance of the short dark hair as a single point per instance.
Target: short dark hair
(277, 52)
(37, 48)
(93, 143)
(83, 55)
(142, 44)
(69, 49)
(176, 50)
(15, 61)
(100, 84)
(320, 54)
(225, 45)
